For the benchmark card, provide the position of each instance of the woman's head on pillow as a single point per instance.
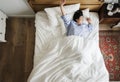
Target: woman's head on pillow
(78, 16)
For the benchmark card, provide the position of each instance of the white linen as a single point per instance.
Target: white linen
(54, 11)
(66, 59)
(86, 13)
(2, 26)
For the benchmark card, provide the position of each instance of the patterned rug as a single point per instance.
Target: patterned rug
(110, 48)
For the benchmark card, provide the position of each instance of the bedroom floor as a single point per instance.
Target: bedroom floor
(16, 55)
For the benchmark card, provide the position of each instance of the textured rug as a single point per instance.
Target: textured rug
(110, 48)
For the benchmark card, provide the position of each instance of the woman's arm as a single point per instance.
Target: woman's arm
(90, 26)
(65, 17)
(62, 8)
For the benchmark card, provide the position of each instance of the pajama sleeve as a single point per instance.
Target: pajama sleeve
(90, 27)
(66, 20)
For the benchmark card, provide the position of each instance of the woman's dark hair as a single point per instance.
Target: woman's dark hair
(77, 14)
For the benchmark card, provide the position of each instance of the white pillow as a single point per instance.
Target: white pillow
(86, 14)
(2, 26)
(53, 12)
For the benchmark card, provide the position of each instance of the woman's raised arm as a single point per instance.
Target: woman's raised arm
(62, 3)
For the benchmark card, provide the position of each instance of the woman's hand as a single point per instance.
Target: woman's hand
(63, 2)
(89, 20)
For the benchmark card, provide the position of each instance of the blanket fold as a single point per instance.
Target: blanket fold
(70, 59)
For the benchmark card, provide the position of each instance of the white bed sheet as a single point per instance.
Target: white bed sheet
(50, 40)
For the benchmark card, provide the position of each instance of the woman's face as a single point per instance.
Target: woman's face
(80, 20)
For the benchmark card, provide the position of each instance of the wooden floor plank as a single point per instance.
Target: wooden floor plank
(16, 55)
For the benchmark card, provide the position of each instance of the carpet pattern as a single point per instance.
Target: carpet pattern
(110, 48)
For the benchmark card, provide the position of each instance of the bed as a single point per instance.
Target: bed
(61, 58)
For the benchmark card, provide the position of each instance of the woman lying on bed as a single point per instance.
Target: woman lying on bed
(76, 26)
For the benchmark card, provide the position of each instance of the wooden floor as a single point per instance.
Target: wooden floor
(16, 55)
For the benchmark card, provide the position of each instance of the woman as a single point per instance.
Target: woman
(76, 26)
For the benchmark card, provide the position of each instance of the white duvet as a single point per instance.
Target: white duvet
(59, 58)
